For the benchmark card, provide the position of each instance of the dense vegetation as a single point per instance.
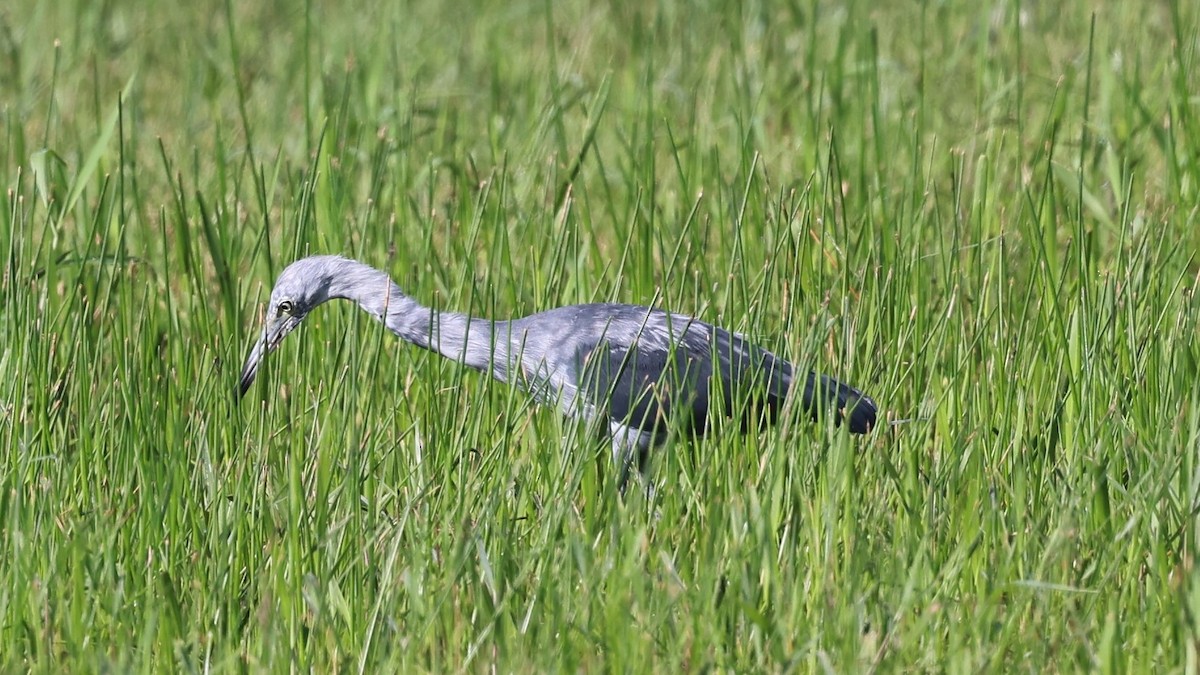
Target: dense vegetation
(985, 216)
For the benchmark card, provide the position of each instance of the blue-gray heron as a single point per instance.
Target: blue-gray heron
(640, 372)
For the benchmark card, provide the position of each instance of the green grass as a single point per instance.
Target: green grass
(986, 216)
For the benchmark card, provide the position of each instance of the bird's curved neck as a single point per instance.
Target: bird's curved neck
(478, 343)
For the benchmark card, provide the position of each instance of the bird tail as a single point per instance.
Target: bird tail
(850, 406)
(822, 396)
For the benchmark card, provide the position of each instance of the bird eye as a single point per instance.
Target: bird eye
(286, 307)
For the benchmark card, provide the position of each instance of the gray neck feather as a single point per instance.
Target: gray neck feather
(478, 343)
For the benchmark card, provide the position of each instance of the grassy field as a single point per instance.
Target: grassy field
(986, 216)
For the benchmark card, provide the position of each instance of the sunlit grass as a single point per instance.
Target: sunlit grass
(987, 219)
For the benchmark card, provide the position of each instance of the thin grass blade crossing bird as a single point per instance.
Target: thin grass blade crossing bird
(638, 372)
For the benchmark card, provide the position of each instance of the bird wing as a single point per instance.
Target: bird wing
(652, 371)
(820, 395)
(645, 387)
(753, 382)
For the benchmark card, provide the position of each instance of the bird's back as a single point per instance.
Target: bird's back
(650, 370)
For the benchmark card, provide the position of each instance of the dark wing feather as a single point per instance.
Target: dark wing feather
(654, 385)
(651, 390)
(755, 384)
(853, 407)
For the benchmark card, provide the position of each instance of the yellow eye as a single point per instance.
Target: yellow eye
(286, 307)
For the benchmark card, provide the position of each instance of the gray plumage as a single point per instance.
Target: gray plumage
(638, 371)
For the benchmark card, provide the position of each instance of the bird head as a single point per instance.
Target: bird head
(301, 286)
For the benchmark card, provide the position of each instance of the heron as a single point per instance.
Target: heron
(638, 373)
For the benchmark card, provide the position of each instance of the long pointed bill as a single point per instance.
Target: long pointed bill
(276, 329)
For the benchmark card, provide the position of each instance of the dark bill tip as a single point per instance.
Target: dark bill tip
(246, 381)
(253, 361)
(274, 332)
